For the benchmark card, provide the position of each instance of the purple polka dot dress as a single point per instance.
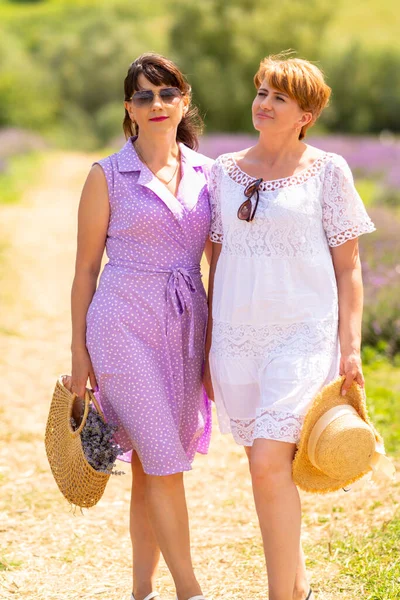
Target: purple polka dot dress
(146, 323)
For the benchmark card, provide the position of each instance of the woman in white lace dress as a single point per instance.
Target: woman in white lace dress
(286, 295)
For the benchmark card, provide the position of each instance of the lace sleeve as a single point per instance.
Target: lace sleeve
(216, 232)
(344, 215)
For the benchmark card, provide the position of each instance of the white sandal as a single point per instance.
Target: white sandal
(149, 597)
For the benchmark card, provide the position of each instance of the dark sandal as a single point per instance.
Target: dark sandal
(309, 594)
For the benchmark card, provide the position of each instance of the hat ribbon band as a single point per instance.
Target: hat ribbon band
(327, 418)
(380, 463)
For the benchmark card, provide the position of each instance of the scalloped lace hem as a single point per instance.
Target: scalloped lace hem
(351, 233)
(270, 425)
(216, 237)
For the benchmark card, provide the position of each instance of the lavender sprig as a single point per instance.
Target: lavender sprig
(98, 443)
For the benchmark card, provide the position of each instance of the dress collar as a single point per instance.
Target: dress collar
(192, 181)
(129, 161)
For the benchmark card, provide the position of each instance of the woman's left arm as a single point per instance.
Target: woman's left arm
(346, 262)
(208, 251)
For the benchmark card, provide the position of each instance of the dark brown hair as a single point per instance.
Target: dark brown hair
(162, 71)
(299, 79)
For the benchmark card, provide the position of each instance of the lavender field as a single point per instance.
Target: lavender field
(375, 163)
(370, 157)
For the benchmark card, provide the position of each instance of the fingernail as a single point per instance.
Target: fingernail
(343, 392)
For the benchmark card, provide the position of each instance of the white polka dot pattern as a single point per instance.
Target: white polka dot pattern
(146, 323)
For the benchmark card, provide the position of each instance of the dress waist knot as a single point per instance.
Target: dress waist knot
(180, 287)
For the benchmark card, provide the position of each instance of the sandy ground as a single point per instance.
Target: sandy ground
(46, 551)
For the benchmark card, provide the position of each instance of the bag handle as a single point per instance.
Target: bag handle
(89, 397)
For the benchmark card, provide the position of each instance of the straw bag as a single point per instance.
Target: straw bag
(77, 480)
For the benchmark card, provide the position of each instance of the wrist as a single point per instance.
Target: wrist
(78, 347)
(350, 352)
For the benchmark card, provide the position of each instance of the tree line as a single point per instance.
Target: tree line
(62, 64)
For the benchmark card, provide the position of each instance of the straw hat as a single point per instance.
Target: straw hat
(338, 443)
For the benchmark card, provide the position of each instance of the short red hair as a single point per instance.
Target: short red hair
(300, 80)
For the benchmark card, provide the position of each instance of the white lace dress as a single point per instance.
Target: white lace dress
(275, 303)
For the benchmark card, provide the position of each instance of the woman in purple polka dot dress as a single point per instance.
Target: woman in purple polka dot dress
(139, 337)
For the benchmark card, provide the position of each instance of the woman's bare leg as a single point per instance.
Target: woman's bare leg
(145, 549)
(279, 513)
(301, 584)
(166, 504)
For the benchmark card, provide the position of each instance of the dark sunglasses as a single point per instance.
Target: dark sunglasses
(170, 95)
(246, 211)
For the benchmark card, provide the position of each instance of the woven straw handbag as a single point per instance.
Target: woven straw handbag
(77, 480)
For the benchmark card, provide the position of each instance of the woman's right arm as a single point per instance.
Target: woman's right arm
(93, 217)
(216, 251)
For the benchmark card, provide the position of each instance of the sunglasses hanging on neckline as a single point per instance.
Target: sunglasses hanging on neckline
(246, 211)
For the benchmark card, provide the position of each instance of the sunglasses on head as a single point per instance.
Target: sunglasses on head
(246, 211)
(170, 95)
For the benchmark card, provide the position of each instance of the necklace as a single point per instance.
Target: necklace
(155, 174)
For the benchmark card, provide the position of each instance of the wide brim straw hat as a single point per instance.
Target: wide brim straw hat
(338, 443)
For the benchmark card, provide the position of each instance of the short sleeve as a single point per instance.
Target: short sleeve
(216, 232)
(344, 214)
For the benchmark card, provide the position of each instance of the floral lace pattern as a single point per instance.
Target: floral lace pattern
(242, 178)
(269, 424)
(344, 216)
(216, 232)
(296, 214)
(231, 340)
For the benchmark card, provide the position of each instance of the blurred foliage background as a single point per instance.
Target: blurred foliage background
(62, 63)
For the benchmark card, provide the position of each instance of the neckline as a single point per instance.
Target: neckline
(177, 168)
(244, 178)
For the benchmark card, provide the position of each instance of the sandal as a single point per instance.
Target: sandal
(308, 595)
(149, 597)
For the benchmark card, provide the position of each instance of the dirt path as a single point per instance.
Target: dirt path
(46, 552)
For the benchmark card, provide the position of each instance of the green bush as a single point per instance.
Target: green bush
(219, 44)
(28, 96)
(68, 62)
(366, 89)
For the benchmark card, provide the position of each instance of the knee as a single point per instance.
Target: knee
(165, 482)
(270, 473)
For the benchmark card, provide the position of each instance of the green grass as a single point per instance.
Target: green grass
(18, 175)
(382, 383)
(369, 563)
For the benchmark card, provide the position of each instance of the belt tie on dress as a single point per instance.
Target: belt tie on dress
(180, 288)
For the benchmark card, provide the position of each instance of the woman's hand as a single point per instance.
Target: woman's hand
(350, 367)
(207, 382)
(82, 370)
